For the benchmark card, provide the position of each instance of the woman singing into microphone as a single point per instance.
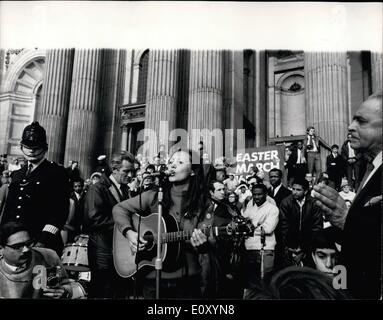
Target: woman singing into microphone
(184, 200)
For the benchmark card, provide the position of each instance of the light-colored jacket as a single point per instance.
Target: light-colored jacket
(266, 217)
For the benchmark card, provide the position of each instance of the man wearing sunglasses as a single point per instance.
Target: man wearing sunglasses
(23, 267)
(39, 192)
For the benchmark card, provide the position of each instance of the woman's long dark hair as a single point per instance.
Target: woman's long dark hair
(196, 190)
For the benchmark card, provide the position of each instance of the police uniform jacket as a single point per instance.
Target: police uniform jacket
(40, 200)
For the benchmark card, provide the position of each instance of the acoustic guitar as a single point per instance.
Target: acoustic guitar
(127, 262)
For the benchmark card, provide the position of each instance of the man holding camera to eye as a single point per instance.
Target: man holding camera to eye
(38, 195)
(24, 268)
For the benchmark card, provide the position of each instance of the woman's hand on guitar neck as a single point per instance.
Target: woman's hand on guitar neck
(132, 237)
(198, 238)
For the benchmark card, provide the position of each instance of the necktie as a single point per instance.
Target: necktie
(27, 174)
(370, 168)
(124, 191)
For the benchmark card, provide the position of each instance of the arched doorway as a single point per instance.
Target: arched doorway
(20, 98)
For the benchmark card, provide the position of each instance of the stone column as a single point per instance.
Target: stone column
(206, 99)
(124, 138)
(130, 139)
(326, 94)
(112, 94)
(161, 96)
(376, 71)
(234, 99)
(53, 115)
(84, 107)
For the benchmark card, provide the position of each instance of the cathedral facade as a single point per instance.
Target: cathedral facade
(98, 101)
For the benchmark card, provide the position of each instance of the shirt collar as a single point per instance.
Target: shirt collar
(276, 189)
(301, 203)
(35, 165)
(14, 268)
(111, 177)
(377, 160)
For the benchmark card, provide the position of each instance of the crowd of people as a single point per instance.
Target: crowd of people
(299, 230)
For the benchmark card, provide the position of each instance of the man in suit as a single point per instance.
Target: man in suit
(73, 171)
(361, 223)
(38, 195)
(311, 151)
(278, 192)
(296, 163)
(216, 269)
(355, 164)
(98, 223)
(335, 166)
(74, 222)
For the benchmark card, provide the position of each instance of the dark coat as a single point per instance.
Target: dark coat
(334, 166)
(344, 152)
(74, 223)
(282, 193)
(298, 229)
(99, 202)
(361, 241)
(296, 170)
(39, 200)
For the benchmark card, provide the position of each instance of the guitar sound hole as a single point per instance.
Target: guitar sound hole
(148, 236)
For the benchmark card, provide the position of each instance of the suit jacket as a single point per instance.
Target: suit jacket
(39, 200)
(305, 144)
(75, 220)
(335, 166)
(345, 154)
(282, 193)
(361, 241)
(99, 202)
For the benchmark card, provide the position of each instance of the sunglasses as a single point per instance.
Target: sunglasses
(20, 246)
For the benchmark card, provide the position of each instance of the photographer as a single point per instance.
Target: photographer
(22, 267)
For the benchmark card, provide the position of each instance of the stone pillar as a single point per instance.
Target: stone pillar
(112, 94)
(124, 138)
(206, 99)
(130, 139)
(234, 102)
(376, 71)
(326, 95)
(83, 111)
(161, 96)
(136, 73)
(53, 115)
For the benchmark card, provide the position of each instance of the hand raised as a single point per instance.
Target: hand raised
(332, 205)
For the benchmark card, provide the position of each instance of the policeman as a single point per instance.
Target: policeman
(39, 192)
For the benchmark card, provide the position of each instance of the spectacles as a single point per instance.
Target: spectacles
(20, 246)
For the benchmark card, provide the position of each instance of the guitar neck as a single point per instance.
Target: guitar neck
(186, 234)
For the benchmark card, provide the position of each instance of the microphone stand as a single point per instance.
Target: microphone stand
(158, 262)
(263, 242)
